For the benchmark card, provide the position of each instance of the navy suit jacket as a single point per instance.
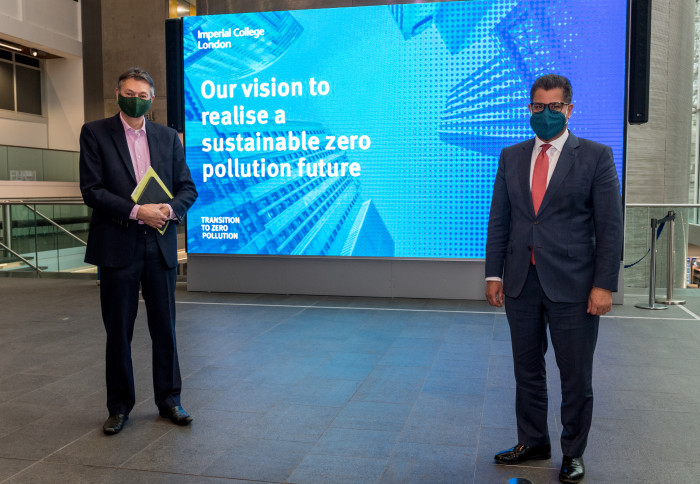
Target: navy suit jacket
(107, 180)
(577, 233)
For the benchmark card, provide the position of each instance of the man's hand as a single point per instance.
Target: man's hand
(599, 301)
(153, 214)
(494, 293)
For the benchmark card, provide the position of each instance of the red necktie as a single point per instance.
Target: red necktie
(539, 184)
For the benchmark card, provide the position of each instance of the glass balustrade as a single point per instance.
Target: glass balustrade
(46, 237)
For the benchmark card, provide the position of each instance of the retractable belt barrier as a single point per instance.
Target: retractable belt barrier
(656, 230)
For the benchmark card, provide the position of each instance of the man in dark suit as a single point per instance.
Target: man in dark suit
(127, 247)
(553, 248)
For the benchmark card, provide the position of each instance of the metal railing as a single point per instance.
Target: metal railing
(44, 235)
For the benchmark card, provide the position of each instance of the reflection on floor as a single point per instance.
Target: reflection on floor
(304, 389)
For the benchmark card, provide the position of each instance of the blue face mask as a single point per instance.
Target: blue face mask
(547, 124)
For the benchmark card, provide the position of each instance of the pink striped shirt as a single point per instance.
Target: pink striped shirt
(137, 141)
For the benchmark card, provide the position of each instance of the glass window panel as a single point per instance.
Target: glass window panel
(7, 88)
(28, 90)
(5, 55)
(29, 61)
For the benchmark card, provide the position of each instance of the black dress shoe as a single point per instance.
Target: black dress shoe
(177, 415)
(114, 423)
(521, 453)
(572, 469)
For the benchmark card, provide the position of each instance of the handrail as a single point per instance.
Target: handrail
(663, 205)
(44, 201)
(36, 212)
(36, 268)
(31, 204)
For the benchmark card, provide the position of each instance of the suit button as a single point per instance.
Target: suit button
(537, 222)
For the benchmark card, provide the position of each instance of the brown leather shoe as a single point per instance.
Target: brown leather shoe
(114, 423)
(521, 453)
(177, 415)
(572, 469)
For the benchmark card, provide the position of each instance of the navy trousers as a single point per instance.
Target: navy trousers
(574, 334)
(119, 297)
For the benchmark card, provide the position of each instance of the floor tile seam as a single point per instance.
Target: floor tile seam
(380, 356)
(623, 316)
(43, 459)
(351, 454)
(211, 456)
(651, 456)
(313, 444)
(20, 471)
(188, 474)
(361, 428)
(656, 393)
(330, 423)
(342, 456)
(460, 311)
(410, 414)
(531, 465)
(287, 481)
(242, 344)
(249, 435)
(149, 444)
(674, 413)
(238, 479)
(355, 308)
(483, 407)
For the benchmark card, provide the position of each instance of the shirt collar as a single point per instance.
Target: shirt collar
(557, 143)
(128, 128)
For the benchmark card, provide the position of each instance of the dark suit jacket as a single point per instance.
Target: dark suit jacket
(577, 233)
(107, 180)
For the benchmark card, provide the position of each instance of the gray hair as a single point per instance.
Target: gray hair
(138, 74)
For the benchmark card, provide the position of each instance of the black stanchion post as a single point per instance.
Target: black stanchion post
(652, 272)
(670, 260)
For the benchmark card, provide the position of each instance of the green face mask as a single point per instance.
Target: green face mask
(134, 107)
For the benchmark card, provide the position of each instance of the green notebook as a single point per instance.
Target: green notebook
(151, 189)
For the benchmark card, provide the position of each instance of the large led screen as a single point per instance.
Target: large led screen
(375, 131)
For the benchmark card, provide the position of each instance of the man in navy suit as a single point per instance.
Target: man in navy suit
(553, 249)
(127, 247)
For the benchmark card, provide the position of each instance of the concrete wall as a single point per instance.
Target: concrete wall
(64, 99)
(131, 33)
(659, 153)
(53, 27)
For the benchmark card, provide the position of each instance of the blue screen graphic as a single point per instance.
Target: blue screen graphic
(376, 131)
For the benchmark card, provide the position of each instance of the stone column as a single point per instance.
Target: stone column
(116, 36)
(659, 153)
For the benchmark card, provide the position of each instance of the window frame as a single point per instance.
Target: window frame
(15, 113)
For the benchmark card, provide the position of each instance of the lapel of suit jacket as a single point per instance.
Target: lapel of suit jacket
(567, 158)
(119, 138)
(524, 174)
(153, 150)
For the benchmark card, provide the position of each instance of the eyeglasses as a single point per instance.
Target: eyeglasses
(537, 107)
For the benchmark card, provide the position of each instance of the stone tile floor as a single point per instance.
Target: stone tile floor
(304, 389)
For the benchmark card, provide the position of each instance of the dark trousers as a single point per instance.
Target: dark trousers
(119, 296)
(574, 334)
